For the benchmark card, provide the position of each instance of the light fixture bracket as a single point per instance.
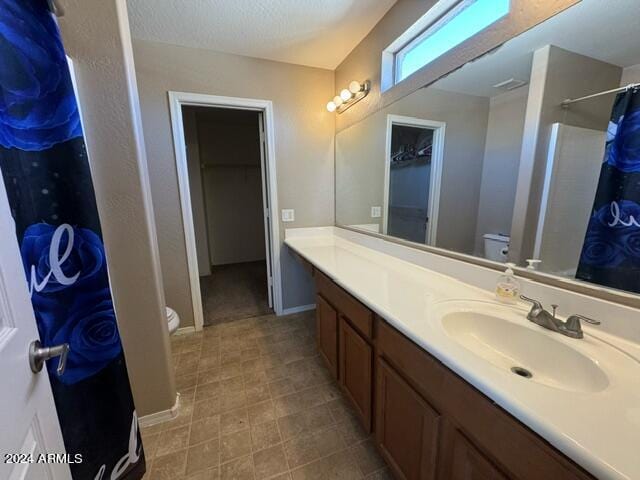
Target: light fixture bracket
(364, 91)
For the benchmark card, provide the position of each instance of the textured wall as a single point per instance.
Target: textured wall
(96, 37)
(364, 61)
(501, 162)
(304, 133)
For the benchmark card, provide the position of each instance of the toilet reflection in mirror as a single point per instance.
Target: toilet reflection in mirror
(520, 174)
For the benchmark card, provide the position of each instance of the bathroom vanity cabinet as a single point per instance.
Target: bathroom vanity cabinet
(428, 423)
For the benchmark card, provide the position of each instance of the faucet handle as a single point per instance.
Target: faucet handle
(535, 303)
(573, 328)
(577, 317)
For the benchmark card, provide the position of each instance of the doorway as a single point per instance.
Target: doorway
(226, 171)
(413, 170)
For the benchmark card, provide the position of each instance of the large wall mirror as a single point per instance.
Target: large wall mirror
(491, 161)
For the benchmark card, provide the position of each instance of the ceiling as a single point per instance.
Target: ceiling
(604, 30)
(318, 33)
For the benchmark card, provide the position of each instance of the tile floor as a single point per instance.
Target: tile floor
(257, 403)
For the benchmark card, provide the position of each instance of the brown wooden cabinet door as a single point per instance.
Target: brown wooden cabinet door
(406, 426)
(461, 460)
(327, 334)
(356, 363)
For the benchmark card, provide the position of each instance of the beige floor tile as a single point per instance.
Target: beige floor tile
(208, 363)
(184, 382)
(232, 400)
(352, 431)
(203, 456)
(367, 457)
(209, 474)
(232, 384)
(173, 440)
(235, 445)
(284, 386)
(262, 412)
(206, 408)
(234, 421)
(207, 376)
(265, 435)
(170, 466)
(150, 444)
(205, 429)
(257, 393)
(382, 474)
(307, 448)
(238, 469)
(270, 462)
(339, 466)
(305, 421)
(207, 390)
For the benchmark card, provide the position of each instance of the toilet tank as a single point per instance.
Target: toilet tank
(496, 247)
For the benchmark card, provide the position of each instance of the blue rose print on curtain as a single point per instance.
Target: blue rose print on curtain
(80, 314)
(45, 169)
(37, 106)
(611, 250)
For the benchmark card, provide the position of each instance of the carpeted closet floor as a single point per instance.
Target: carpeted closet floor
(235, 291)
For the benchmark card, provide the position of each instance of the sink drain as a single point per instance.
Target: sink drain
(522, 372)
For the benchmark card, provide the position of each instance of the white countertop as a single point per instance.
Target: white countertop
(599, 431)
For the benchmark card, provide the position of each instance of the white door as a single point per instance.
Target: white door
(28, 420)
(266, 207)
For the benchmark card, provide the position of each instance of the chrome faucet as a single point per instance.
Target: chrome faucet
(571, 328)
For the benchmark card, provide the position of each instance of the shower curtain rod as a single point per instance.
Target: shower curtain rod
(569, 101)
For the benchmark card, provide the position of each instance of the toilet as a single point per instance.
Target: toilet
(173, 320)
(496, 247)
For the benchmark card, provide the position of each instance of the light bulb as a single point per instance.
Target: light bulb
(345, 94)
(331, 107)
(337, 100)
(355, 87)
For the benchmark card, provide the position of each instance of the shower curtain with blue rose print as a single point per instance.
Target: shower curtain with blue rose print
(44, 166)
(611, 251)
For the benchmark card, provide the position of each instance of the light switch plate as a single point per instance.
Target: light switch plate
(376, 212)
(288, 215)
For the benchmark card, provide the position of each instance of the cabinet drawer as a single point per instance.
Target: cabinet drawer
(421, 369)
(359, 315)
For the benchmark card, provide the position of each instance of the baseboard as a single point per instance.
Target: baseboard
(185, 330)
(159, 417)
(298, 309)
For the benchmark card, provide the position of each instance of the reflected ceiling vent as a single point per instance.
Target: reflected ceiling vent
(510, 84)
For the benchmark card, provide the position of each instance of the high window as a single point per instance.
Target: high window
(462, 20)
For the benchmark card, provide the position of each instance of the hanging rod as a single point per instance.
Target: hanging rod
(569, 101)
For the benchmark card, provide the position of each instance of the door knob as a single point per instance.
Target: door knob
(38, 354)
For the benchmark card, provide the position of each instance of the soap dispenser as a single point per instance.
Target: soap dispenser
(508, 288)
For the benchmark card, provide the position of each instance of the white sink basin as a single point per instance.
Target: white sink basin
(503, 336)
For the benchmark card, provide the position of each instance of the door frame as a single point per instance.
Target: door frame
(269, 185)
(437, 159)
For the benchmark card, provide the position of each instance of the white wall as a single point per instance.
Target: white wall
(304, 135)
(232, 182)
(501, 162)
(96, 37)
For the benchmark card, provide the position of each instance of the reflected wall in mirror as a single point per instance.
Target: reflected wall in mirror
(487, 161)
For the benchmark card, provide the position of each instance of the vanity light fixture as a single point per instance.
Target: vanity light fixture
(349, 96)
